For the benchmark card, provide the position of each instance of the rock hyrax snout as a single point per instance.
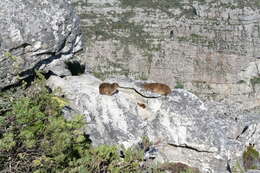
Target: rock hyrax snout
(108, 88)
(158, 88)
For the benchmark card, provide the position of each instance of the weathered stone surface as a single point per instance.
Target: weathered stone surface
(35, 35)
(203, 45)
(253, 171)
(210, 136)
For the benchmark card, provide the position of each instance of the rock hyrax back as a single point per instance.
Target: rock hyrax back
(159, 88)
(108, 88)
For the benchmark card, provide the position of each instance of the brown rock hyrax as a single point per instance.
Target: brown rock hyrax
(108, 88)
(158, 88)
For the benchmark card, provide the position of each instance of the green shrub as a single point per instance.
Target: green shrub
(35, 137)
(179, 85)
(9, 55)
(251, 158)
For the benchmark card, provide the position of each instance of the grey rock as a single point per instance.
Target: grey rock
(35, 35)
(251, 71)
(210, 136)
(206, 51)
(60, 69)
(253, 171)
(151, 153)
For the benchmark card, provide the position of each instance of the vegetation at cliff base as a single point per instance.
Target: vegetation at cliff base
(251, 159)
(35, 137)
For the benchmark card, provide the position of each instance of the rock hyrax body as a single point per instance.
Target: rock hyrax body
(158, 88)
(108, 88)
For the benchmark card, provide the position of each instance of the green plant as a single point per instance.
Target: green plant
(106, 158)
(5, 104)
(36, 136)
(241, 82)
(146, 142)
(257, 4)
(179, 85)
(255, 80)
(238, 168)
(10, 55)
(251, 158)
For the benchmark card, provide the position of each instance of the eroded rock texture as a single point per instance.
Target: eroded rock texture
(210, 136)
(36, 35)
(206, 45)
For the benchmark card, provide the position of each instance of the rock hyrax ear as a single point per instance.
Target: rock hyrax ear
(115, 85)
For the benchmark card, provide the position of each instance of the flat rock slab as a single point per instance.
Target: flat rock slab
(207, 136)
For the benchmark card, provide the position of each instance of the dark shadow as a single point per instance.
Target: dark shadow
(171, 34)
(87, 138)
(75, 67)
(26, 81)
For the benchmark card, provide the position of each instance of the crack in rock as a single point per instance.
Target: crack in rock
(190, 148)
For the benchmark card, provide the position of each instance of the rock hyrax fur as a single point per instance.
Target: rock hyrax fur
(108, 88)
(158, 88)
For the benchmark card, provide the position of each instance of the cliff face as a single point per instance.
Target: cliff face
(36, 35)
(210, 47)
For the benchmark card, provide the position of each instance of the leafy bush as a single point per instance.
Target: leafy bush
(35, 137)
(251, 158)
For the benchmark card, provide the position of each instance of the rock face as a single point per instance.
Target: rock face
(36, 35)
(210, 136)
(204, 45)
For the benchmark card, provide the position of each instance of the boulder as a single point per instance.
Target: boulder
(36, 35)
(210, 136)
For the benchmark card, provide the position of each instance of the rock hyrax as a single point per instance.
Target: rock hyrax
(159, 88)
(108, 88)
